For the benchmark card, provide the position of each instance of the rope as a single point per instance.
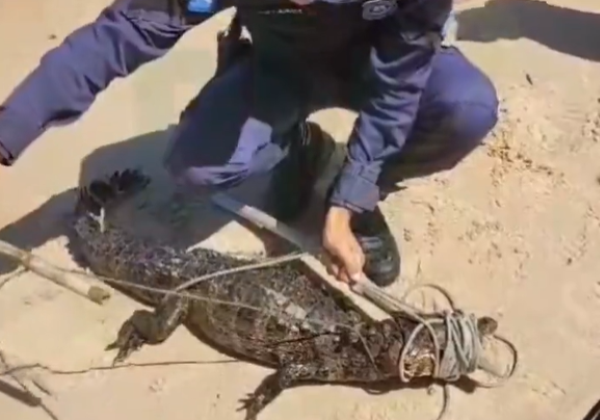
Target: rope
(461, 355)
(266, 263)
(197, 297)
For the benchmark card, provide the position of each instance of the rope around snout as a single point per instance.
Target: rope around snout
(462, 352)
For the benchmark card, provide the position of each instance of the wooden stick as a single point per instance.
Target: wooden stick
(61, 277)
(313, 249)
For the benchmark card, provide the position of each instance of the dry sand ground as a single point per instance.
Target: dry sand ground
(511, 232)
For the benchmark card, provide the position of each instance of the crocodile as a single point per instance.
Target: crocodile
(278, 316)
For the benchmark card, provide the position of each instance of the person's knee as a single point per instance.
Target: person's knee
(196, 158)
(470, 111)
(202, 167)
(223, 177)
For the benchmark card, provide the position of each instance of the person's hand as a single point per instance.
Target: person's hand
(346, 258)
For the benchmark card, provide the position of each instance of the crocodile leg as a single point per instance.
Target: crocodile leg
(273, 385)
(145, 327)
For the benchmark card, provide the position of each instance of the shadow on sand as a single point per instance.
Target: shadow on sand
(562, 29)
(173, 214)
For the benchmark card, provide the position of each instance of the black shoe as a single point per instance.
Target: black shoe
(294, 178)
(382, 254)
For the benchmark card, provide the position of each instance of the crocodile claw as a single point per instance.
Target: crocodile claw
(250, 404)
(127, 342)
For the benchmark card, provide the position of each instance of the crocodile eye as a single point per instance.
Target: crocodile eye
(487, 325)
(353, 337)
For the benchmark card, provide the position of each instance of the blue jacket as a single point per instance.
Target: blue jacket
(130, 33)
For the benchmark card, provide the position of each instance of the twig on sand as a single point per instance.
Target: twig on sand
(70, 281)
(9, 364)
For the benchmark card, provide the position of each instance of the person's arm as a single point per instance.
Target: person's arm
(401, 62)
(125, 35)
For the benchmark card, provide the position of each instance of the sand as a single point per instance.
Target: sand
(510, 232)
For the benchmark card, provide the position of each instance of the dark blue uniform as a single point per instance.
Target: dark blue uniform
(421, 107)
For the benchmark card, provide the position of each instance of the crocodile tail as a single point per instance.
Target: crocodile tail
(101, 194)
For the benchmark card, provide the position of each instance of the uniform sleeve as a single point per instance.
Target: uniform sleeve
(125, 35)
(401, 64)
